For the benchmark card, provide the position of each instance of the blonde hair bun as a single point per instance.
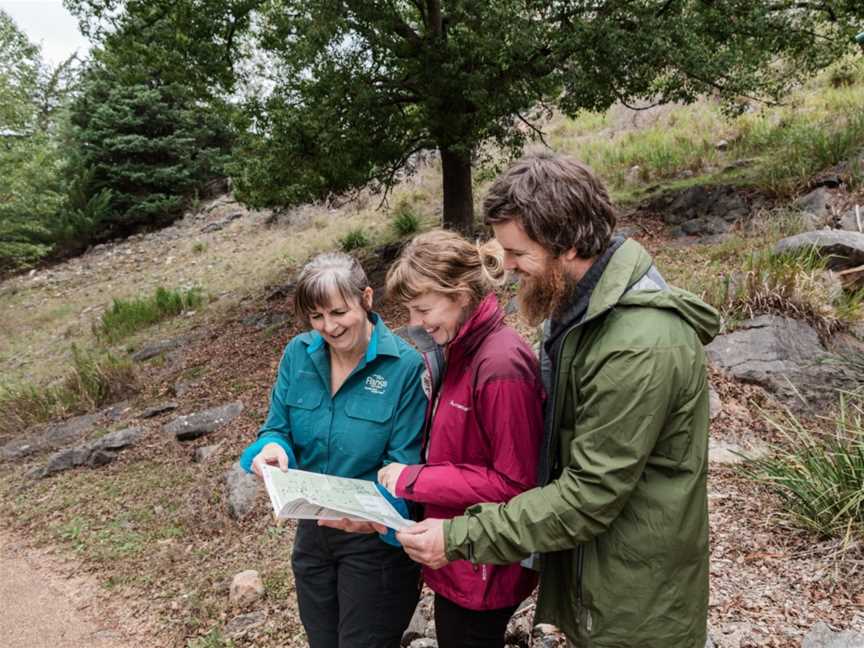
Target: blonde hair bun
(445, 262)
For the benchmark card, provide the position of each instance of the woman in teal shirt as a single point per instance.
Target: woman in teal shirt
(348, 400)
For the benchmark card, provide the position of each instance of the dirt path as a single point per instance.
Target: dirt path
(43, 607)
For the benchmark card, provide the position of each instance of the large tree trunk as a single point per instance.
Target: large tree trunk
(458, 193)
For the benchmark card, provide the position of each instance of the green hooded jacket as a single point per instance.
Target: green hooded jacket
(623, 522)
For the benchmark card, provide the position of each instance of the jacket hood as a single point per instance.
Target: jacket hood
(630, 279)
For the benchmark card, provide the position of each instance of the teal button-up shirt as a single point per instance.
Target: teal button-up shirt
(374, 419)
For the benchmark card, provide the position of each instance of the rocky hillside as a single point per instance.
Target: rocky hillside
(145, 493)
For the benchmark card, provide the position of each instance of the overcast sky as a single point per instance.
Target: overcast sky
(47, 23)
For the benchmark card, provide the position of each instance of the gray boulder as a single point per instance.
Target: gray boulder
(845, 249)
(242, 490)
(50, 437)
(243, 623)
(423, 614)
(821, 636)
(725, 452)
(786, 357)
(155, 348)
(814, 203)
(97, 452)
(192, 426)
(156, 410)
(204, 453)
(720, 203)
(852, 221)
(424, 643)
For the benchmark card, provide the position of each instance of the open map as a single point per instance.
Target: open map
(310, 496)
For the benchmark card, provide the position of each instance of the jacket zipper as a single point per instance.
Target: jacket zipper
(580, 549)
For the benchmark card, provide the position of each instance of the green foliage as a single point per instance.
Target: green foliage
(800, 149)
(94, 379)
(354, 240)
(820, 478)
(795, 284)
(149, 143)
(345, 92)
(32, 91)
(405, 220)
(19, 72)
(31, 194)
(125, 317)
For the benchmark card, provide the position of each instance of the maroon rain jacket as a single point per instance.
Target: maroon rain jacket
(483, 446)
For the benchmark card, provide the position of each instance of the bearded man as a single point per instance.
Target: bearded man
(620, 517)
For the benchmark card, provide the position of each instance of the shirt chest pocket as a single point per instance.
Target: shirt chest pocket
(366, 428)
(303, 401)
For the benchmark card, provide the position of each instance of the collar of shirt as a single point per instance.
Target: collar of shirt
(381, 342)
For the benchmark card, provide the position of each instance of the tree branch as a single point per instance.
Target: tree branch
(537, 131)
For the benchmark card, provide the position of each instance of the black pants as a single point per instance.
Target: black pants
(458, 627)
(354, 590)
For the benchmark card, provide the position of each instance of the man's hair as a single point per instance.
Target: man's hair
(559, 202)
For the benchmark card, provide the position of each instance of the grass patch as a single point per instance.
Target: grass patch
(820, 477)
(128, 316)
(816, 128)
(405, 220)
(353, 240)
(95, 379)
(798, 148)
(795, 285)
(199, 247)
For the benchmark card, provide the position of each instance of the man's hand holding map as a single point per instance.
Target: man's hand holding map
(311, 496)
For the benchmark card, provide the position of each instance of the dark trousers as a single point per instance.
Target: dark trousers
(354, 590)
(458, 627)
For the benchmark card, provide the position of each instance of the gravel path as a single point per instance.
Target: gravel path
(43, 608)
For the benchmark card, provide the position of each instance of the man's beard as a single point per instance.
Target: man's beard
(541, 296)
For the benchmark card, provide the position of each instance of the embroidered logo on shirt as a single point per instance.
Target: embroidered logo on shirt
(460, 406)
(375, 384)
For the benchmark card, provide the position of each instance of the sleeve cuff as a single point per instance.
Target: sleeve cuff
(255, 447)
(407, 478)
(456, 538)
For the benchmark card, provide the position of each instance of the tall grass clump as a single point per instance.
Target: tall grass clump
(794, 285)
(125, 317)
(94, 379)
(820, 477)
(405, 220)
(354, 240)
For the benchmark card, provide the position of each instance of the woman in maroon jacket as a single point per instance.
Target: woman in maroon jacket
(483, 430)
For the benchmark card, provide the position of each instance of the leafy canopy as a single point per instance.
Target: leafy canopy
(353, 87)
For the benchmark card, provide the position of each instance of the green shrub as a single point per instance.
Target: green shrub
(353, 240)
(125, 317)
(820, 477)
(405, 220)
(95, 379)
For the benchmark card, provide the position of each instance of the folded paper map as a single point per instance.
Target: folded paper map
(311, 496)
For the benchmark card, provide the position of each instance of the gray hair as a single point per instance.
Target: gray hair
(326, 275)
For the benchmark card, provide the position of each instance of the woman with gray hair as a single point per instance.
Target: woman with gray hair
(348, 400)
